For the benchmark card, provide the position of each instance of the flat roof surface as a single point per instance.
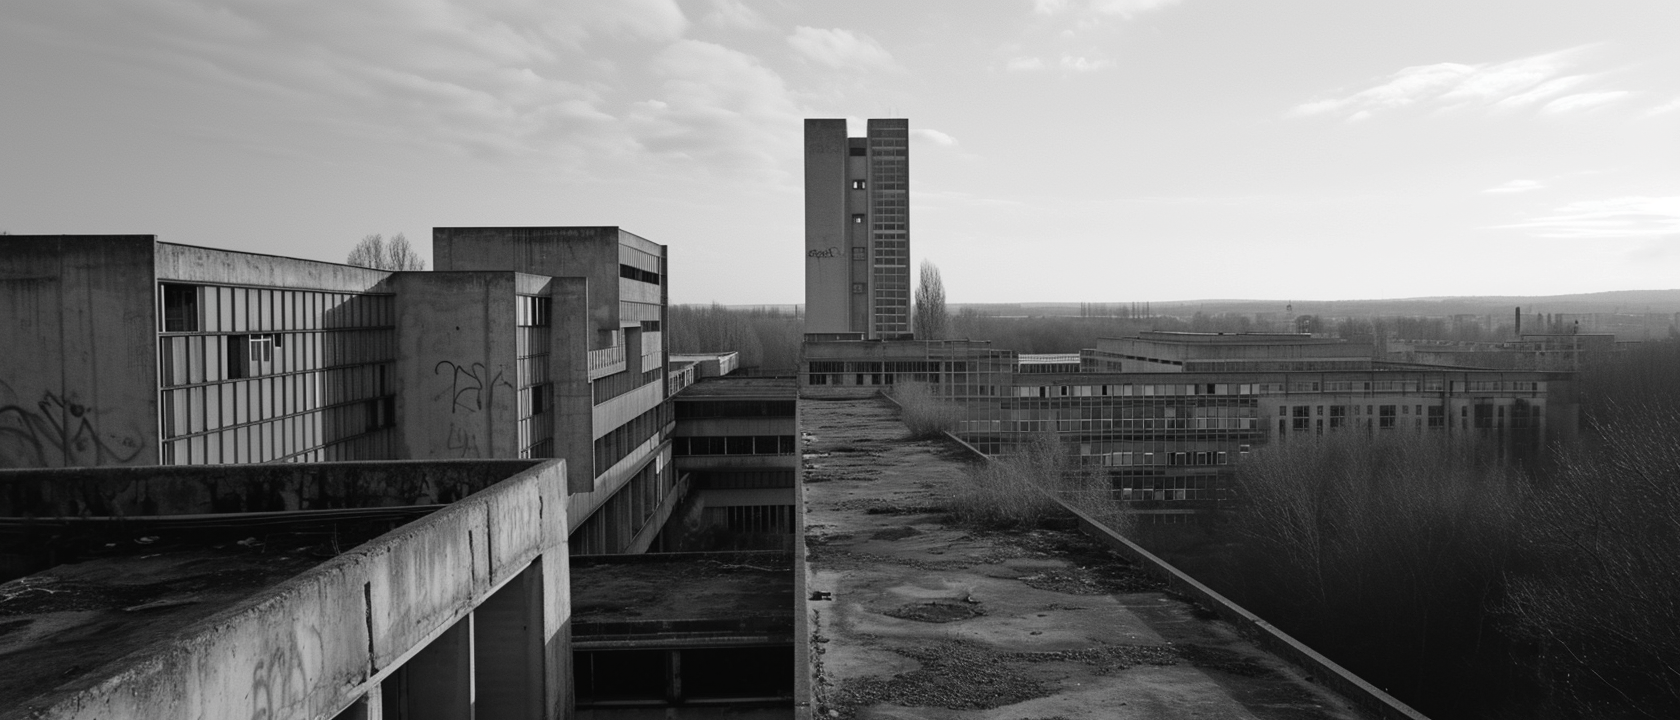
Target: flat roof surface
(665, 599)
(929, 620)
(741, 387)
(58, 627)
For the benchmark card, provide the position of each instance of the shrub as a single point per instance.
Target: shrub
(923, 413)
(1017, 490)
(1001, 494)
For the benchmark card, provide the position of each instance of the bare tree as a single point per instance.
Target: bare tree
(931, 321)
(374, 251)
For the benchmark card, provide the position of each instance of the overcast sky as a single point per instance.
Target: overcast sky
(1115, 150)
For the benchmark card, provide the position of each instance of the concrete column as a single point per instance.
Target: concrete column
(508, 649)
(439, 680)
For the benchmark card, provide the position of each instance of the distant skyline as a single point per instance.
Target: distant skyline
(1062, 151)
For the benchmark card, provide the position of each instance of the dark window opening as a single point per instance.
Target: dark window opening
(180, 308)
(635, 273)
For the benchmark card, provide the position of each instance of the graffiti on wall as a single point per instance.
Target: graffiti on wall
(471, 390)
(280, 682)
(58, 431)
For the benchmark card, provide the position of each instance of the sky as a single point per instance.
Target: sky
(1062, 150)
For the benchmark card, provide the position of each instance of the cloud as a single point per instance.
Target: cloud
(1122, 8)
(1624, 217)
(1666, 107)
(1020, 64)
(735, 15)
(1084, 64)
(1515, 186)
(719, 106)
(1583, 101)
(1524, 82)
(569, 86)
(933, 136)
(839, 48)
(1128, 8)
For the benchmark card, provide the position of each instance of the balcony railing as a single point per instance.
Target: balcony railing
(606, 361)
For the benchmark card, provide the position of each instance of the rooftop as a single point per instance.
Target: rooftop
(1233, 338)
(102, 563)
(741, 387)
(665, 599)
(913, 617)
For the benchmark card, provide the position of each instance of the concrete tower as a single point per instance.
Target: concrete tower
(857, 231)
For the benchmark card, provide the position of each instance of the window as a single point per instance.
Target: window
(857, 219)
(1385, 418)
(858, 185)
(180, 308)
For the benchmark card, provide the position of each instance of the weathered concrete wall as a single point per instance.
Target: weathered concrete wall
(583, 503)
(568, 367)
(66, 399)
(624, 408)
(184, 490)
(828, 291)
(190, 263)
(312, 646)
(589, 252)
(455, 370)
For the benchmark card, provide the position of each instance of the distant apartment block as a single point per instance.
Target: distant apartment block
(526, 342)
(857, 231)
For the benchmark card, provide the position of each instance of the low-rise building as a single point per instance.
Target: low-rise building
(527, 342)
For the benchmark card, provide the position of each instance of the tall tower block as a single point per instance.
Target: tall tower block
(857, 231)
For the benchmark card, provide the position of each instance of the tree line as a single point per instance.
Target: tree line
(1469, 587)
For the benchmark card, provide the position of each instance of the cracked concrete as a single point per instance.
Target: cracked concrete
(1040, 623)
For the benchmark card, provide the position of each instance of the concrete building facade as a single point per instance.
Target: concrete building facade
(526, 343)
(857, 231)
(737, 446)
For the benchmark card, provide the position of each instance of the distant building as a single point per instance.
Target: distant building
(857, 231)
(1169, 431)
(736, 444)
(709, 365)
(525, 343)
(1553, 352)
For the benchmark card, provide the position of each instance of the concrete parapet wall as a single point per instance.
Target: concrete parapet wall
(189, 263)
(1276, 641)
(313, 645)
(182, 490)
(838, 392)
